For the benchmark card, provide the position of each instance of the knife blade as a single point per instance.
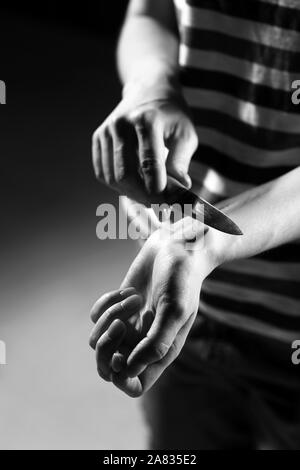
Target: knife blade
(176, 193)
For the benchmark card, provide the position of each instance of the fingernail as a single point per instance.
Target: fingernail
(131, 303)
(128, 290)
(116, 329)
(118, 362)
(187, 181)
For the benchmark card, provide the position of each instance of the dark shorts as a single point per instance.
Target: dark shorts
(226, 390)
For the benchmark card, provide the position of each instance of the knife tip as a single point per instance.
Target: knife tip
(235, 230)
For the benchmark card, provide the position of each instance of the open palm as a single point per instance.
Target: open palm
(149, 325)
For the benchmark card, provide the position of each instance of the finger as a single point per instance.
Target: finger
(180, 154)
(96, 155)
(131, 386)
(106, 347)
(125, 160)
(155, 346)
(132, 338)
(109, 299)
(118, 362)
(123, 150)
(137, 275)
(107, 160)
(151, 154)
(123, 310)
(154, 371)
(136, 386)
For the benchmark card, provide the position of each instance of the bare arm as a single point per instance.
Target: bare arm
(268, 216)
(129, 146)
(148, 44)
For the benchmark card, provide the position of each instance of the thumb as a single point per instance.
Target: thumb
(179, 157)
(137, 275)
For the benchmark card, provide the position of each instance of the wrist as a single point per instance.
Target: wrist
(153, 82)
(206, 255)
(222, 247)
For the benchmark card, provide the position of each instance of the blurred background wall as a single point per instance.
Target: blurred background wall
(59, 67)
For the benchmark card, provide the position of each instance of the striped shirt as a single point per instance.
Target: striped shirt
(238, 60)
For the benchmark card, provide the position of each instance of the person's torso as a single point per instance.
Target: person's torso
(238, 61)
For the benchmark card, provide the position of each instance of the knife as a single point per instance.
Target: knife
(176, 193)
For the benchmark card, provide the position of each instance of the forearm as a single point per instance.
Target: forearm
(147, 52)
(268, 215)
